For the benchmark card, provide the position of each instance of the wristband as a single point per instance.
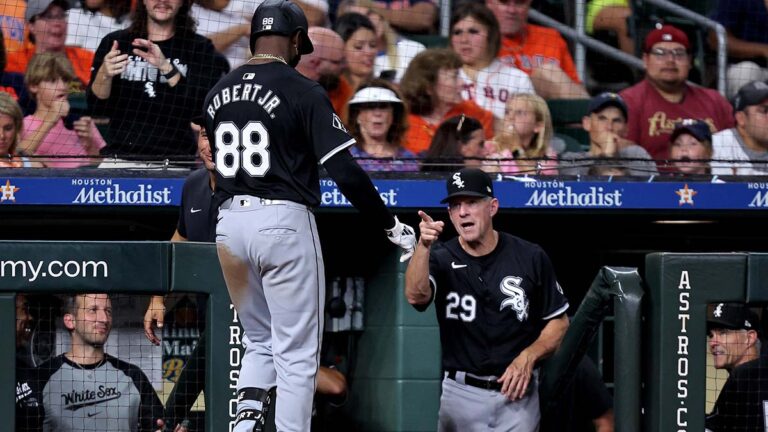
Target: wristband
(171, 73)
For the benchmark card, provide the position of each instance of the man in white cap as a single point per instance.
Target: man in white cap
(733, 338)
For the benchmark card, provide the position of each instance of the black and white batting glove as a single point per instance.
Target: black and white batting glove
(403, 236)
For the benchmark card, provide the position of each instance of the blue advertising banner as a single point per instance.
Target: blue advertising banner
(543, 194)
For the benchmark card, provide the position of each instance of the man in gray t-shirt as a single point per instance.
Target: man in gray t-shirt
(607, 127)
(86, 389)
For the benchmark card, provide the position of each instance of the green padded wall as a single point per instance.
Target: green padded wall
(396, 383)
(680, 287)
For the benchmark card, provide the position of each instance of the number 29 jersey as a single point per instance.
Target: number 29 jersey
(269, 128)
(492, 307)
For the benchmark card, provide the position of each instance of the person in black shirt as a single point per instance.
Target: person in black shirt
(270, 128)
(150, 80)
(499, 309)
(197, 223)
(733, 334)
(585, 404)
(28, 402)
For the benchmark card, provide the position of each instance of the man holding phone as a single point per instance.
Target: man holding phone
(150, 80)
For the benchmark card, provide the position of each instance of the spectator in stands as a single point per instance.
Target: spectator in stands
(28, 404)
(94, 19)
(118, 393)
(229, 31)
(611, 15)
(605, 167)
(476, 38)
(150, 80)
(394, 51)
(325, 65)
(665, 98)
(458, 142)
(12, 83)
(45, 134)
(733, 341)
(410, 16)
(538, 51)
(11, 125)
(606, 124)
(585, 403)
(691, 147)
(747, 41)
(360, 47)
(13, 24)
(432, 90)
(744, 147)
(47, 21)
(316, 11)
(377, 122)
(527, 137)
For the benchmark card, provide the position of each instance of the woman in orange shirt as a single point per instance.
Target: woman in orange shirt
(432, 89)
(11, 121)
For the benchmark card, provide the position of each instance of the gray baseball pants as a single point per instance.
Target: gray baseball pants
(464, 408)
(273, 266)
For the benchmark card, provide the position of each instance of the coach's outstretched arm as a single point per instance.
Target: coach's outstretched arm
(355, 184)
(518, 374)
(417, 290)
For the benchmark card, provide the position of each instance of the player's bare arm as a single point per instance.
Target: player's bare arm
(417, 290)
(517, 376)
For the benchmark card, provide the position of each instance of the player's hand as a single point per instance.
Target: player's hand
(517, 376)
(150, 52)
(429, 230)
(155, 313)
(403, 236)
(114, 62)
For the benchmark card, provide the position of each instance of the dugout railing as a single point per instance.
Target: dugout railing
(618, 290)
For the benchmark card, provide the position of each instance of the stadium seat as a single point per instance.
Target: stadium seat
(566, 119)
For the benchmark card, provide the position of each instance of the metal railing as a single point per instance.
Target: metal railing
(589, 42)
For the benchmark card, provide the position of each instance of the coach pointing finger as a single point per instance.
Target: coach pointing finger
(499, 308)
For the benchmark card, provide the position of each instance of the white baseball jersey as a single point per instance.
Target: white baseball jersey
(728, 145)
(494, 85)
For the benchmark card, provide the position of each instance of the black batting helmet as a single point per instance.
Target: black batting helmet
(281, 17)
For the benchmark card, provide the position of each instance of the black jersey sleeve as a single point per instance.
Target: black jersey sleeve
(181, 225)
(592, 395)
(554, 303)
(151, 408)
(324, 128)
(355, 184)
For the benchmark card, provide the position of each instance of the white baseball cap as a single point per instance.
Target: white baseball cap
(374, 95)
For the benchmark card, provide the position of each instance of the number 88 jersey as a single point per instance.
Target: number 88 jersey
(492, 307)
(269, 128)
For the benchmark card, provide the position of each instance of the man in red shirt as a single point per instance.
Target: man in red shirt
(538, 51)
(665, 98)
